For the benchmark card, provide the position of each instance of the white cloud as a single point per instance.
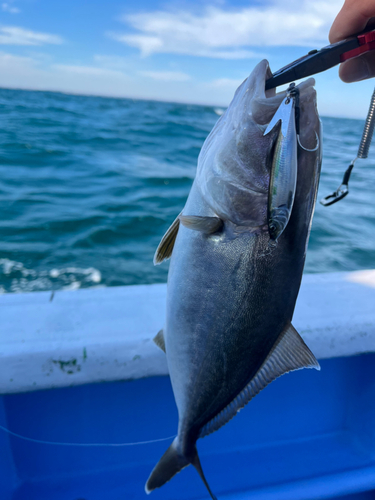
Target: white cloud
(19, 71)
(166, 76)
(151, 44)
(220, 33)
(225, 83)
(13, 35)
(112, 62)
(7, 7)
(85, 70)
(9, 61)
(38, 73)
(146, 44)
(233, 54)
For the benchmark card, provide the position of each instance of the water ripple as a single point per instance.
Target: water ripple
(88, 185)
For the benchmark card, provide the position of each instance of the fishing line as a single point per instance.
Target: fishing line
(83, 444)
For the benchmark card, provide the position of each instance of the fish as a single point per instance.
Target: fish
(228, 330)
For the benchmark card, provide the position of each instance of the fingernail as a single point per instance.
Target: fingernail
(354, 70)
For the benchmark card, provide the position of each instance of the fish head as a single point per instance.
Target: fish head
(236, 159)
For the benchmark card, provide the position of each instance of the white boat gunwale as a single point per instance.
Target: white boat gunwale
(105, 334)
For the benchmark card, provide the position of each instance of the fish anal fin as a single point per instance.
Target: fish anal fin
(207, 225)
(165, 248)
(288, 354)
(159, 340)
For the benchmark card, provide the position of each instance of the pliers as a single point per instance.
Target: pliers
(317, 61)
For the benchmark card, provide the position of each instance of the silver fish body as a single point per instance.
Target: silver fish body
(230, 300)
(283, 179)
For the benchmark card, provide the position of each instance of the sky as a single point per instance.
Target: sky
(182, 51)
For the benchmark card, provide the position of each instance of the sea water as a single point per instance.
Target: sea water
(88, 186)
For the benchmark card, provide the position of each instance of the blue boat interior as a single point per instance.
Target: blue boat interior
(309, 435)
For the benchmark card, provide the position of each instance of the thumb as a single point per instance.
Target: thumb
(359, 68)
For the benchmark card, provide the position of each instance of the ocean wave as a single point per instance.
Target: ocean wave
(16, 278)
(80, 194)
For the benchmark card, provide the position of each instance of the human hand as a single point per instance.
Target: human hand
(353, 18)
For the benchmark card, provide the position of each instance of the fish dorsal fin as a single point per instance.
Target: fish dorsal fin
(165, 248)
(207, 225)
(288, 354)
(159, 340)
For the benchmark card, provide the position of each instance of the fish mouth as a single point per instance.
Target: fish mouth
(264, 102)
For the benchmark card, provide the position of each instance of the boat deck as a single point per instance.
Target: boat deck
(309, 435)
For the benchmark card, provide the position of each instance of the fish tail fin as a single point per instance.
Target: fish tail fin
(172, 462)
(197, 464)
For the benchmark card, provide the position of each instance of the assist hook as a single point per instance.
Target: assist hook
(293, 92)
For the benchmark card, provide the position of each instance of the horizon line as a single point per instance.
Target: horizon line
(107, 96)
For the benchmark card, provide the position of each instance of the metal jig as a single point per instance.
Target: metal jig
(283, 174)
(363, 150)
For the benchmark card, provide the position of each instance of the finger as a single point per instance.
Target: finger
(352, 19)
(359, 68)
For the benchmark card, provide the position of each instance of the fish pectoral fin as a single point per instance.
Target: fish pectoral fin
(289, 353)
(207, 225)
(159, 340)
(165, 248)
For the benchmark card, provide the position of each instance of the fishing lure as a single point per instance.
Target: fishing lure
(283, 179)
